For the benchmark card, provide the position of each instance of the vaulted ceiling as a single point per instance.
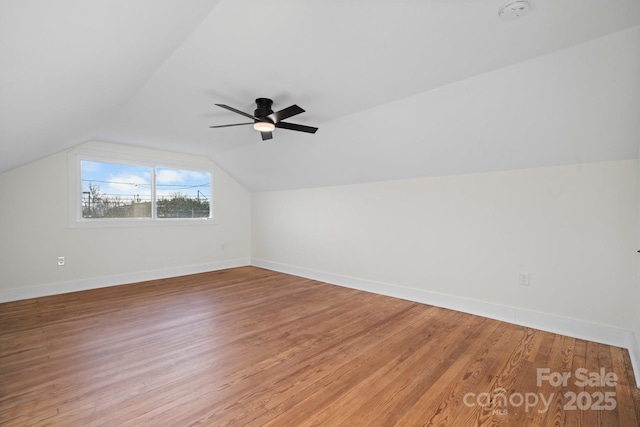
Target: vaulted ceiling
(398, 88)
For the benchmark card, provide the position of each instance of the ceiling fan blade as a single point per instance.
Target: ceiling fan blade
(235, 124)
(238, 111)
(293, 126)
(285, 113)
(266, 135)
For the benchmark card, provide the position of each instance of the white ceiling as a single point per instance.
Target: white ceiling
(398, 88)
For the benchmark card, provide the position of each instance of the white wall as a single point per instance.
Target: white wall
(573, 228)
(35, 231)
(635, 351)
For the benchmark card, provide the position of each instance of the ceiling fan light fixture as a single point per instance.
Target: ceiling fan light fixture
(264, 126)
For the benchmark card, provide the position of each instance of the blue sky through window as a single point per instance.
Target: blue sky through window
(129, 182)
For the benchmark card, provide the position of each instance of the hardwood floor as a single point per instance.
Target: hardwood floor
(249, 346)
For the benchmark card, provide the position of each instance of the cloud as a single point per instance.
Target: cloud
(170, 182)
(128, 185)
(179, 176)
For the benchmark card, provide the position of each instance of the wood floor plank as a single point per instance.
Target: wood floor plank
(628, 415)
(479, 378)
(330, 392)
(253, 347)
(415, 380)
(447, 393)
(560, 362)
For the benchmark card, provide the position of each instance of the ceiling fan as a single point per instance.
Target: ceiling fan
(265, 120)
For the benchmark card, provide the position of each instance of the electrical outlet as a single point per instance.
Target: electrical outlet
(524, 279)
(61, 260)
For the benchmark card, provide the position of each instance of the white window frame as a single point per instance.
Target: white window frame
(76, 220)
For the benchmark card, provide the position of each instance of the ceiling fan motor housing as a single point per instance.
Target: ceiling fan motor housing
(264, 108)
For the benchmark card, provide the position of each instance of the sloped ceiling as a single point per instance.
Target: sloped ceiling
(398, 88)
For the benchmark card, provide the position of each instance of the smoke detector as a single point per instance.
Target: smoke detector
(513, 9)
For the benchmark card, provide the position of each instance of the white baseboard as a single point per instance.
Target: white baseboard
(121, 279)
(544, 321)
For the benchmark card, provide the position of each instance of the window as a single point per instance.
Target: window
(112, 190)
(129, 191)
(182, 193)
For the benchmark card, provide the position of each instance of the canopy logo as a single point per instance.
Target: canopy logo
(499, 400)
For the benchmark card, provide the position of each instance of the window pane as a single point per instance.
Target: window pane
(111, 190)
(183, 193)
